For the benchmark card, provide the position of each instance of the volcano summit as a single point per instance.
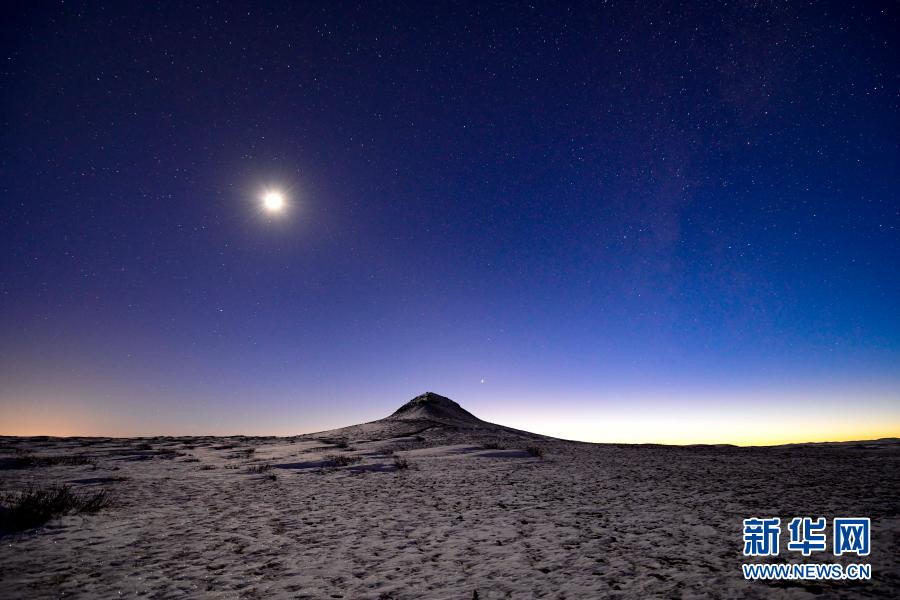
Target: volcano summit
(434, 407)
(438, 415)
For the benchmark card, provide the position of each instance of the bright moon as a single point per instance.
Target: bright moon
(273, 201)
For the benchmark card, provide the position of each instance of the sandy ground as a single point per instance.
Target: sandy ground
(584, 521)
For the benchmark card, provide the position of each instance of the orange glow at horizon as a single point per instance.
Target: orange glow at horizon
(763, 428)
(600, 425)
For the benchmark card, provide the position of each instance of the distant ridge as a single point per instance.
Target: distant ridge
(434, 407)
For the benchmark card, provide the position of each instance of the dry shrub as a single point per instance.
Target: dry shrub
(342, 460)
(26, 461)
(535, 451)
(34, 506)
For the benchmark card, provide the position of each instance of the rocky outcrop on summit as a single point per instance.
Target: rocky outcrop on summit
(434, 407)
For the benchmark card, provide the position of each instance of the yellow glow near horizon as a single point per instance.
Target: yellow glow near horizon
(789, 418)
(664, 427)
(738, 430)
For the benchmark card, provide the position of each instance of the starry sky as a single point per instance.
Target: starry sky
(601, 221)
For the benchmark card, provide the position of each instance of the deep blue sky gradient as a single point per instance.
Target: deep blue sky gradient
(600, 208)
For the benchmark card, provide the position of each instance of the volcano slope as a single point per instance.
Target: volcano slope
(432, 502)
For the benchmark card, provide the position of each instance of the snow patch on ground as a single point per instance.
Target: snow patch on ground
(279, 518)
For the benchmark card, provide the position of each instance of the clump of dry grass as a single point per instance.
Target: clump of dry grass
(168, 454)
(535, 451)
(262, 468)
(34, 506)
(338, 442)
(400, 462)
(341, 460)
(27, 461)
(243, 453)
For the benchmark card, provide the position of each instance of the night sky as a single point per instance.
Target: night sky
(608, 222)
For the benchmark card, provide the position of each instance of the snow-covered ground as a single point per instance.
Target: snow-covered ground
(474, 511)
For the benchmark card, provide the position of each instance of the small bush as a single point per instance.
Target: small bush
(335, 443)
(342, 460)
(26, 461)
(168, 454)
(35, 506)
(400, 462)
(535, 451)
(243, 453)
